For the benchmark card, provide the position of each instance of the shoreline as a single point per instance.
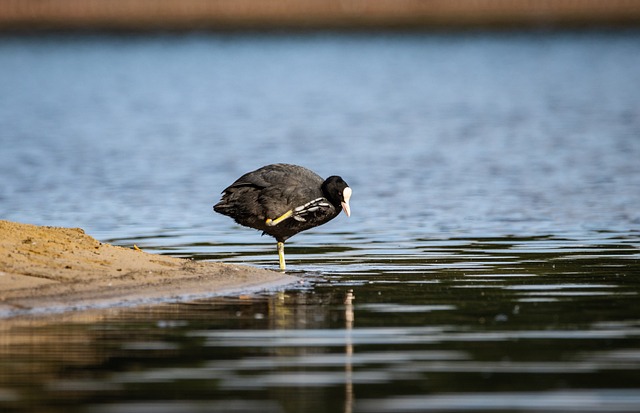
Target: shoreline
(53, 270)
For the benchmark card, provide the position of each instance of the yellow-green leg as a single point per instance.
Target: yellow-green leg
(272, 222)
(281, 255)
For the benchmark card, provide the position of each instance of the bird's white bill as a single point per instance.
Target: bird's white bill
(346, 194)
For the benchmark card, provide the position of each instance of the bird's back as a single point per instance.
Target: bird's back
(269, 192)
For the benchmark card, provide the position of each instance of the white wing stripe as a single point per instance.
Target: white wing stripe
(311, 206)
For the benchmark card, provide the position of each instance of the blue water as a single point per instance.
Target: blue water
(491, 262)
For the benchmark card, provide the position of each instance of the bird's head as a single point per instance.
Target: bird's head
(338, 193)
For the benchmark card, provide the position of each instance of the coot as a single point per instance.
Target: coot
(282, 200)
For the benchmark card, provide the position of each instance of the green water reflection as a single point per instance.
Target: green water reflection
(492, 322)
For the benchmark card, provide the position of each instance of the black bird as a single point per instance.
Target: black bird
(282, 200)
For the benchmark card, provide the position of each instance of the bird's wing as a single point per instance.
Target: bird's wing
(277, 189)
(318, 206)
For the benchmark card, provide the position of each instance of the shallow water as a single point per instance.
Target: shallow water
(491, 262)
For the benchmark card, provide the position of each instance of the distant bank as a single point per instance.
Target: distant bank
(185, 15)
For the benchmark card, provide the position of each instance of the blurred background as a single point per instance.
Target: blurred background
(127, 118)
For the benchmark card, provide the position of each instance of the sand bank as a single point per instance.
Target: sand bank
(45, 270)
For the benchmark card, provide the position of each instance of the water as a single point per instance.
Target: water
(491, 262)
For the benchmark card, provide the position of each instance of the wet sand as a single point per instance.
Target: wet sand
(45, 270)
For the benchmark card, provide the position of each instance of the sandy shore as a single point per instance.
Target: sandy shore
(46, 270)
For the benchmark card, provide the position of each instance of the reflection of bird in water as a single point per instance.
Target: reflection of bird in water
(348, 309)
(348, 368)
(282, 200)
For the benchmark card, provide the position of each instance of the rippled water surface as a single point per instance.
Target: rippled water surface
(491, 263)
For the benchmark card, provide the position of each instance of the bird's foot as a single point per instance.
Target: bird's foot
(273, 222)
